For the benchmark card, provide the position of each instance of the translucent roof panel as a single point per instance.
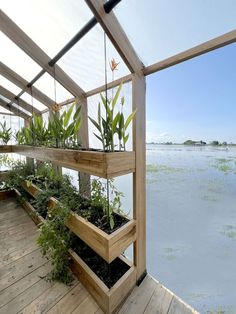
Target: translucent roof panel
(21, 109)
(9, 85)
(50, 24)
(3, 110)
(35, 103)
(85, 62)
(16, 59)
(5, 99)
(46, 85)
(161, 28)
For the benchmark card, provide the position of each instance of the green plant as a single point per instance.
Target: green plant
(113, 123)
(100, 197)
(55, 241)
(5, 133)
(63, 132)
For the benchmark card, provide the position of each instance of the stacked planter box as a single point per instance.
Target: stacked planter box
(108, 246)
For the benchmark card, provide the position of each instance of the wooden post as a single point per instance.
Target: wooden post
(139, 177)
(84, 179)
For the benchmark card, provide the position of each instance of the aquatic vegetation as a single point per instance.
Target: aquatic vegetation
(229, 231)
(225, 165)
(154, 168)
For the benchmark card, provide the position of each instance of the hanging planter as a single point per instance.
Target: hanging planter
(97, 163)
(108, 246)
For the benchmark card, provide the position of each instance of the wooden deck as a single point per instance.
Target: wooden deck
(23, 288)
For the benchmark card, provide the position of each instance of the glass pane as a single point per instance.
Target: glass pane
(50, 24)
(9, 85)
(161, 28)
(3, 110)
(85, 62)
(22, 109)
(46, 85)
(37, 104)
(17, 60)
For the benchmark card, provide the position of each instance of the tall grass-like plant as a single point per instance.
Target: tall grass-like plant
(5, 133)
(112, 124)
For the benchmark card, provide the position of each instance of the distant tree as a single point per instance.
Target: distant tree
(215, 143)
(189, 142)
(224, 143)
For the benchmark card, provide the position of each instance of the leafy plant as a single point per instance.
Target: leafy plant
(55, 240)
(113, 123)
(5, 133)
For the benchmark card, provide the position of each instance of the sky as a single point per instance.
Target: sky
(194, 100)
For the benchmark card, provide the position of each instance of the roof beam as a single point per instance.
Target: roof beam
(196, 51)
(115, 32)
(16, 111)
(23, 41)
(22, 83)
(20, 102)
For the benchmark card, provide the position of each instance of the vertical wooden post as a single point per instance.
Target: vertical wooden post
(29, 161)
(84, 179)
(139, 177)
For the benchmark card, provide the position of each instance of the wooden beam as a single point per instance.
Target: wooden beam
(114, 31)
(139, 177)
(20, 102)
(196, 51)
(16, 111)
(23, 41)
(22, 83)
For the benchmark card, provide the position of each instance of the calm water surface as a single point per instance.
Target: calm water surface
(191, 223)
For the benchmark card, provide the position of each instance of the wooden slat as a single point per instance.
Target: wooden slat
(16, 111)
(70, 301)
(208, 46)
(139, 179)
(10, 29)
(116, 34)
(20, 102)
(106, 165)
(87, 306)
(22, 83)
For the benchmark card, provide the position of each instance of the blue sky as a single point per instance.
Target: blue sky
(194, 100)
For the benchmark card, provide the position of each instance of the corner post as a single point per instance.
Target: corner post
(139, 176)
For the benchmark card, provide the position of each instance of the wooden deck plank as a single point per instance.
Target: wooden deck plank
(139, 298)
(70, 301)
(47, 299)
(88, 305)
(23, 284)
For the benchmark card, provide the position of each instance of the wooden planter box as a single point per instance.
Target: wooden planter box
(108, 299)
(98, 163)
(5, 149)
(3, 175)
(4, 194)
(108, 246)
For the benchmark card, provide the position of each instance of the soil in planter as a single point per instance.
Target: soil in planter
(83, 207)
(108, 273)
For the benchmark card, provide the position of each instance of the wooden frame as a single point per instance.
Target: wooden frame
(108, 299)
(5, 149)
(108, 246)
(16, 111)
(97, 163)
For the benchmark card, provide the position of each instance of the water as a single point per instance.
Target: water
(191, 223)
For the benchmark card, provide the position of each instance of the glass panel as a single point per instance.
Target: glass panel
(50, 24)
(93, 101)
(161, 28)
(17, 60)
(37, 104)
(3, 110)
(46, 85)
(85, 62)
(9, 85)
(22, 109)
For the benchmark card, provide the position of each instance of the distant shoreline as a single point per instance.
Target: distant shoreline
(194, 145)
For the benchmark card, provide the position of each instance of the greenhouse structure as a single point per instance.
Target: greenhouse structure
(73, 124)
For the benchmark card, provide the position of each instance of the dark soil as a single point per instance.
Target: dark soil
(108, 273)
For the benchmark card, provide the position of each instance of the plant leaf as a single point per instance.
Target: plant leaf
(129, 119)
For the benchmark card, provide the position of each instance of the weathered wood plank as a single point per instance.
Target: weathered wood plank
(87, 306)
(70, 301)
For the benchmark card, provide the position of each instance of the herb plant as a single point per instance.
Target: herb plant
(5, 133)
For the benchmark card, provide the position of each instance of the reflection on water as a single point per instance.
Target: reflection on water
(191, 223)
